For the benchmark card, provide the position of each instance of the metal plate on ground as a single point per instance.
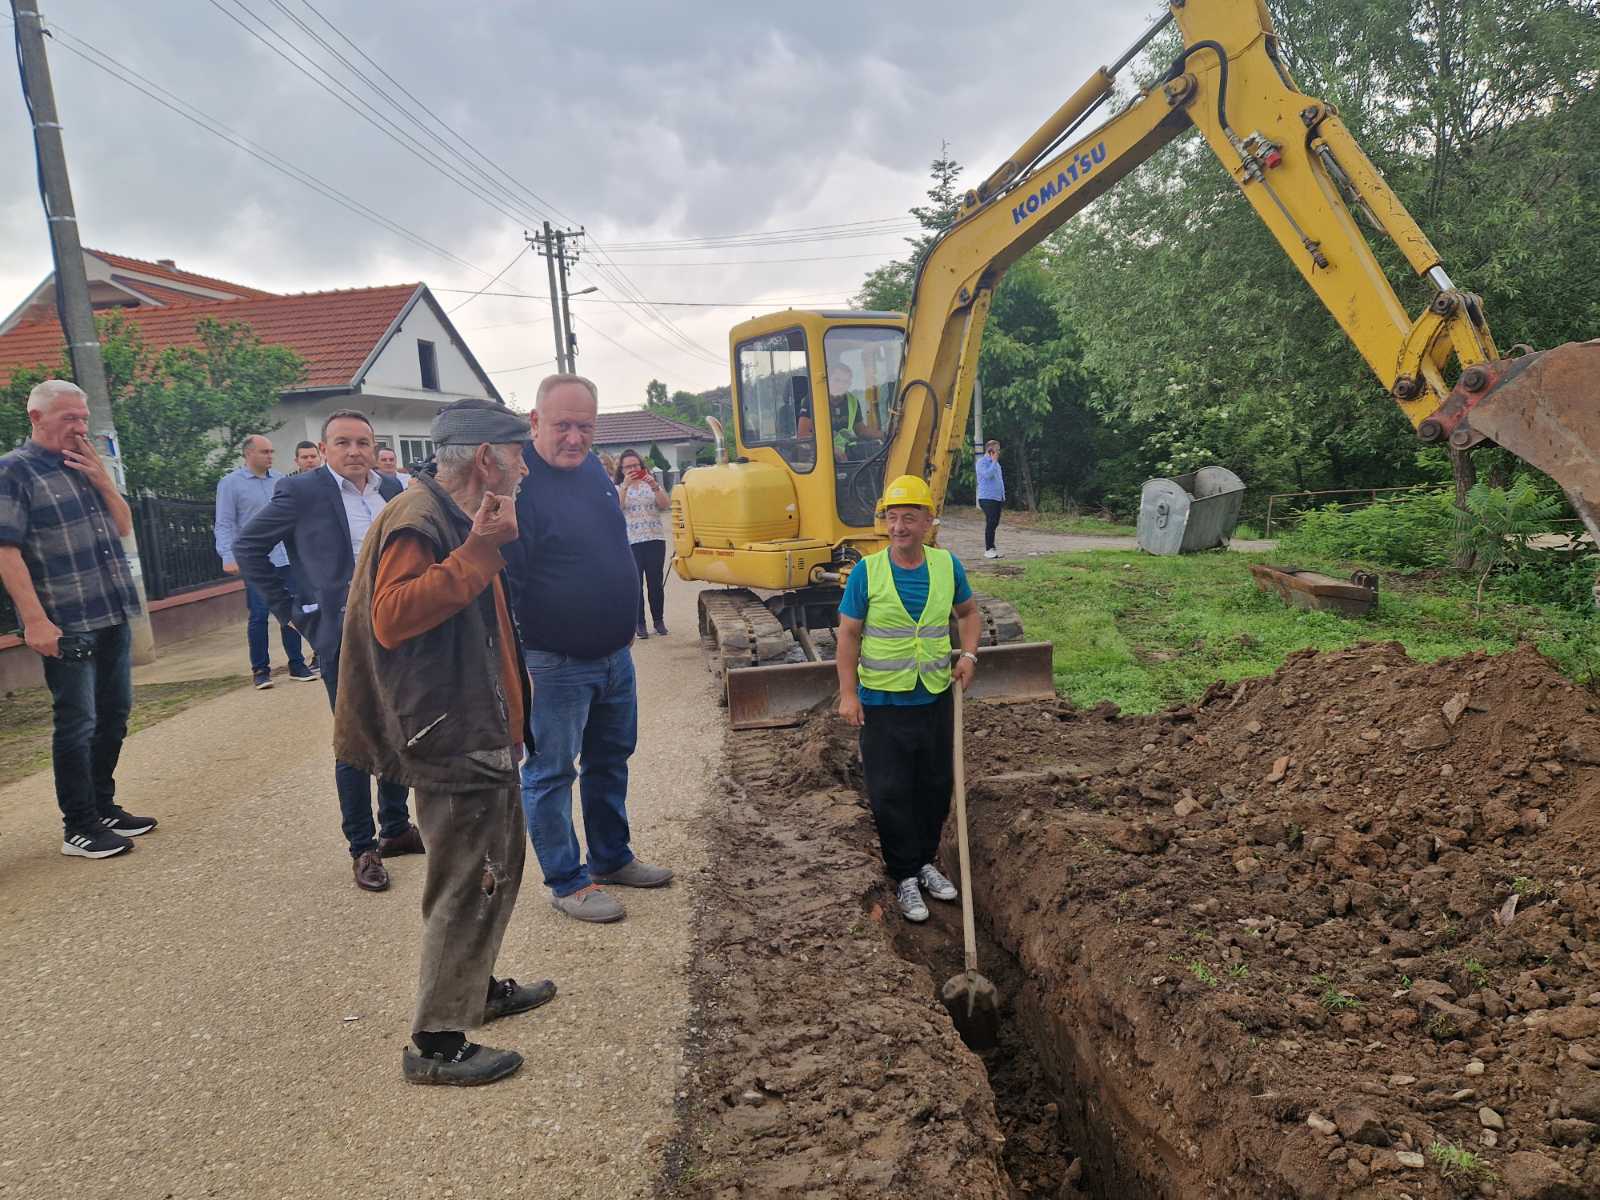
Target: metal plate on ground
(783, 694)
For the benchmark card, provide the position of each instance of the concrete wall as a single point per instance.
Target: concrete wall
(172, 620)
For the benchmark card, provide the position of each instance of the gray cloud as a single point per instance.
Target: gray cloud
(639, 120)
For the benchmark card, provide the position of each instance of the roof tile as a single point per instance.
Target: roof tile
(332, 331)
(641, 425)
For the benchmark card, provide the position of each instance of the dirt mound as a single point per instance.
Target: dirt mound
(1313, 928)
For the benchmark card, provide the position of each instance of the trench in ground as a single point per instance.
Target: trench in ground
(1062, 1133)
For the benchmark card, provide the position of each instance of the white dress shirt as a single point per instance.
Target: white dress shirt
(361, 508)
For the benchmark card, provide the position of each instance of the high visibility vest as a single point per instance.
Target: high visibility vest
(843, 437)
(897, 650)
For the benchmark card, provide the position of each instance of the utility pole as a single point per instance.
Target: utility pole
(553, 246)
(562, 259)
(546, 245)
(72, 281)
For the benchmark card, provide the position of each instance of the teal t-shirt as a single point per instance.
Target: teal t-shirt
(912, 586)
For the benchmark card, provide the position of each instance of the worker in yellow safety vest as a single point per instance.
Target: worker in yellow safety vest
(894, 658)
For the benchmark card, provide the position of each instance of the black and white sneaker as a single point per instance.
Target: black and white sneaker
(98, 843)
(126, 824)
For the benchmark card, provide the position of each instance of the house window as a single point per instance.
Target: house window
(428, 360)
(414, 450)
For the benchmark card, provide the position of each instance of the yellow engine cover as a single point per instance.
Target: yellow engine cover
(727, 507)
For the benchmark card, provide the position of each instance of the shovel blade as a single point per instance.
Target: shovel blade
(973, 1003)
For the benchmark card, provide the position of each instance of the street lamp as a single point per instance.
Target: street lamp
(566, 318)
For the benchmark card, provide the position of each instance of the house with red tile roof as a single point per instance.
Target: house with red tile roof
(390, 352)
(639, 429)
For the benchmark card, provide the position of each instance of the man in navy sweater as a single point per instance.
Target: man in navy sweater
(577, 592)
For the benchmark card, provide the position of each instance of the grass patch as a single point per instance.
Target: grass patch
(25, 735)
(1455, 1163)
(1078, 523)
(1147, 632)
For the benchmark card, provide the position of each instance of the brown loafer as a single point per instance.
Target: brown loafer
(370, 873)
(409, 842)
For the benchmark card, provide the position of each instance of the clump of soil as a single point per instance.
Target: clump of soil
(1332, 933)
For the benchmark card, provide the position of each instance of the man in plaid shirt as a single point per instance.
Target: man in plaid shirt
(61, 561)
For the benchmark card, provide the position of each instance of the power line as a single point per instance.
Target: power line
(602, 333)
(739, 262)
(778, 303)
(515, 258)
(732, 242)
(367, 112)
(530, 366)
(120, 71)
(615, 277)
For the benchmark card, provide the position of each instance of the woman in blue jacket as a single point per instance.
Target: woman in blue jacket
(991, 494)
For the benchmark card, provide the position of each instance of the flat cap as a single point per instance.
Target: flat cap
(474, 422)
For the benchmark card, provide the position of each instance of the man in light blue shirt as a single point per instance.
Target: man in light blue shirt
(991, 494)
(240, 495)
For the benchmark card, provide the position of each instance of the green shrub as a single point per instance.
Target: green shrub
(1409, 533)
(1554, 578)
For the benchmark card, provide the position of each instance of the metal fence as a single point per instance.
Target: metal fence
(177, 550)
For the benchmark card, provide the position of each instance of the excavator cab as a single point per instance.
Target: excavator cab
(813, 410)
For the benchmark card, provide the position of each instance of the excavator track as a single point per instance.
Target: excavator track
(738, 630)
(1002, 623)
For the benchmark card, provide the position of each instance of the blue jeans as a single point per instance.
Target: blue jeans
(91, 701)
(587, 707)
(256, 630)
(355, 787)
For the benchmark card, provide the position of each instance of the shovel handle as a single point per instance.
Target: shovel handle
(969, 931)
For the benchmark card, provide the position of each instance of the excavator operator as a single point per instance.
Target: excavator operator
(844, 412)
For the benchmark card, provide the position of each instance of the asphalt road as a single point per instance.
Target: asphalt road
(221, 1012)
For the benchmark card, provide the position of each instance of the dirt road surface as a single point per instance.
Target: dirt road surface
(221, 1012)
(961, 532)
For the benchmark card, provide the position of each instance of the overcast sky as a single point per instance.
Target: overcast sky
(641, 122)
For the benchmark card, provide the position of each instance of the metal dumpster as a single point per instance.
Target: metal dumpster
(1197, 511)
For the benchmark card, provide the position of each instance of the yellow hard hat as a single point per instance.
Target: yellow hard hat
(908, 489)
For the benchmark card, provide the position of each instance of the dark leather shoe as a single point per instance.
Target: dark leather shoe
(485, 1065)
(409, 842)
(507, 997)
(370, 873)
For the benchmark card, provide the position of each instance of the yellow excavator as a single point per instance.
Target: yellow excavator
(827, 405)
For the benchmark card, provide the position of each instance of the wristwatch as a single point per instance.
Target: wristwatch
(969, 654)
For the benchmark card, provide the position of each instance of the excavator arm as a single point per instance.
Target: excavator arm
(1311, 185)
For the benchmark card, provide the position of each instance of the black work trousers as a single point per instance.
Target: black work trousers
(906, 758)
(991, 520)
(651, 558)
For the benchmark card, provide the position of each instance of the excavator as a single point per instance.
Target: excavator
(829, 404)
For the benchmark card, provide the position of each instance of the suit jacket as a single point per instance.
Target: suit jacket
(306, 513)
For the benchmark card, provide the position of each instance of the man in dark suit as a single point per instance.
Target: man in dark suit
(321, 517)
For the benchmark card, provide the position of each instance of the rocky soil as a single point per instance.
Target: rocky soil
(1328, 934)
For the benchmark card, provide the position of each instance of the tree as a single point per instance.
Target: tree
(182, 413)
(888, 288)
(655, 394)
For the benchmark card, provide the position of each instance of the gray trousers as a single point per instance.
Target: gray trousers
(475, 844)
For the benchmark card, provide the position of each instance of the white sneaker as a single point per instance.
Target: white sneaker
(909, 898)
(934, 881)
(991, 554)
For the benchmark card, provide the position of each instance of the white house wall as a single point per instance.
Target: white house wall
(398, 372)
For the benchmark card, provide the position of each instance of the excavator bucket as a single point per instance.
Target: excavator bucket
(783, 693)
(1543, 407)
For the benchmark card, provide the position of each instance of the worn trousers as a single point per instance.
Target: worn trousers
(991, 520)
(651, 557)
(90, 701)
(906, 759)
(475, 849)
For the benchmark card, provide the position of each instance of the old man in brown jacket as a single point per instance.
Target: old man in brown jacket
(433, 694)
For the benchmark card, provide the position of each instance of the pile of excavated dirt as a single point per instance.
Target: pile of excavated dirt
(1331, 933)
(1327, 934)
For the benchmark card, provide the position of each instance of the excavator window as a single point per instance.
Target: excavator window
(863, 371)
(775, 405)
